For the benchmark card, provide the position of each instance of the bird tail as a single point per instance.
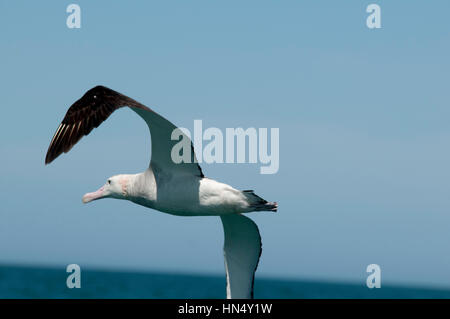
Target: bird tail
(259, 204)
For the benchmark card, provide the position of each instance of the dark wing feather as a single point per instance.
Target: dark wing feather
(94, 107)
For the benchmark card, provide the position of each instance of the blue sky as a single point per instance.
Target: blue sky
(363, 117)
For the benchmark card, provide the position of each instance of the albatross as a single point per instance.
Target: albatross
(175, 188)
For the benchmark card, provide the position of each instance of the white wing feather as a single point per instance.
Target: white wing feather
(162, 144)
(242, 249)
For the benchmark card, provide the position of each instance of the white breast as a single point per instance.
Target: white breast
(186, 195)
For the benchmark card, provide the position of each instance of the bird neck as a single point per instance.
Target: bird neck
(127, 182)
(141, 185)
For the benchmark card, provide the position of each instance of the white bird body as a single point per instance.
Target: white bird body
(181, 195)
(175, 188)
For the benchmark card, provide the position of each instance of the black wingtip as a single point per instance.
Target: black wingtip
(48, 160)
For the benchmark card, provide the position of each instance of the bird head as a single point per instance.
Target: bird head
(115, 187)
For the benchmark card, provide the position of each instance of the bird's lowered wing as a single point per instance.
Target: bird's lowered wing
(242, 249)
(95, 106)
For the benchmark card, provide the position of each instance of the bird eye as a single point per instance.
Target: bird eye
(109, 181)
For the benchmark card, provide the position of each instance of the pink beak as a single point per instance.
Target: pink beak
(89, 197)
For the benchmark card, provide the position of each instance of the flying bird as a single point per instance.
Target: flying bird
(175, 188)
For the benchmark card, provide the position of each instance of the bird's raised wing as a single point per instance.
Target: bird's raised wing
(95, 106)
(242, 249)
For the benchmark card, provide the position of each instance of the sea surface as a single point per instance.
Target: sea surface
(40, 282)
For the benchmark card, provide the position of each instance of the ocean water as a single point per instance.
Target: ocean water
(29, 282)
